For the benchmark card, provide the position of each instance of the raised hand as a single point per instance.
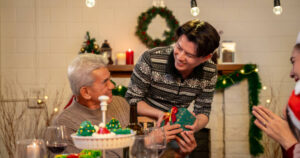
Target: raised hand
(274, 126)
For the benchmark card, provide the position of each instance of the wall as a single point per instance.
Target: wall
(40, 37)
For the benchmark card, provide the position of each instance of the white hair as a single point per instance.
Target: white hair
(79, 71)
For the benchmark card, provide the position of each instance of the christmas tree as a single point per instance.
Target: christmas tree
(113, 124)
(89, 45)
(86, 129)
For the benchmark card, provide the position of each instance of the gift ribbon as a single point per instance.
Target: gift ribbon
(171, 116)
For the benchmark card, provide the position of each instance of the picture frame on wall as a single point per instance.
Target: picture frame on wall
(227, 52)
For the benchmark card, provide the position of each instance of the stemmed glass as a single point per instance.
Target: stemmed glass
(155, 139)
(139, 149)
(56, 139)
(30, 148)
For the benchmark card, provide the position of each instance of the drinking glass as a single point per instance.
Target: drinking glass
(139, 150)
(155, 139)
(31, 148)
(56, 139)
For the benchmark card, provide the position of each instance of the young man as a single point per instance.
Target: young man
(176, 76)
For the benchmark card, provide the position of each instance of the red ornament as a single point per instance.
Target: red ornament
(103, 130)
(143, 32)
(237, 75)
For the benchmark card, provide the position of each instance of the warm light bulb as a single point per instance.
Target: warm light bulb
(268, 101)
(242, 71)
(256, 70)
(277, 10)
(55, 109)
(90, 3)
(224, 82)
(195, 11)
(119, 87)
(39, 101)
(264, 88)
(45, 97)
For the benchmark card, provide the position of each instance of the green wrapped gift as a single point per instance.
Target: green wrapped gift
(179, 116)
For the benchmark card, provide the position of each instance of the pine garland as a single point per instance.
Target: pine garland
(145, 19)
(249, 71)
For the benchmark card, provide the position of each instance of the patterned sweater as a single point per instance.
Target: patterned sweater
(156, 81)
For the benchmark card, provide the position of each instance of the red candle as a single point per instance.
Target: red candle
(129, 57)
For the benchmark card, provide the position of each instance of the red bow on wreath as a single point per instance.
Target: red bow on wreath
(171, 116)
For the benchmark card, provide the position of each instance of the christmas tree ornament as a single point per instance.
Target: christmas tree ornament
(82, 50)
(96, 46)
(89, 45)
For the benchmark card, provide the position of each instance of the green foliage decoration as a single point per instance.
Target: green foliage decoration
(145, 19)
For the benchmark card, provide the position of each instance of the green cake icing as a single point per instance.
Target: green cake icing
(121, 131)
(86, 129)
(113, 124)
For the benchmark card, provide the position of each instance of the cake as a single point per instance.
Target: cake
(109, 136)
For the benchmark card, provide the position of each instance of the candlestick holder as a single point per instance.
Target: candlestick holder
(31, 148)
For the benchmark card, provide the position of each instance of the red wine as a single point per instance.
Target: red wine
(57, 148)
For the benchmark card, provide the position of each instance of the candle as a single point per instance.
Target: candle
(33, 150)
(120, 59)
(129, 57)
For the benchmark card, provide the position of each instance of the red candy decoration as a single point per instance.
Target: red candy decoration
(103, 130)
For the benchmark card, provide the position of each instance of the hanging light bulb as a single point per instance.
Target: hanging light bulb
(194, 9)
(90, 3)
(277, 10)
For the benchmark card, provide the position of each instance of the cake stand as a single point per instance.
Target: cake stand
(105, 142)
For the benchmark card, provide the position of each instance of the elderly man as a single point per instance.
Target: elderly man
(89, 78)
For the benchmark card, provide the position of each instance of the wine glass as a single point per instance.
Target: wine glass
(155, 139)
(30, 148)
(56, 139)
(139, 149)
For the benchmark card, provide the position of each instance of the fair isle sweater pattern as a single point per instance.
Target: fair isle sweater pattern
(156, 81)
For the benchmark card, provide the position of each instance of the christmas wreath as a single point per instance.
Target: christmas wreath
(144, 20)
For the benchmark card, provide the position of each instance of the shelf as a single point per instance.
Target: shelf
(124, 71)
